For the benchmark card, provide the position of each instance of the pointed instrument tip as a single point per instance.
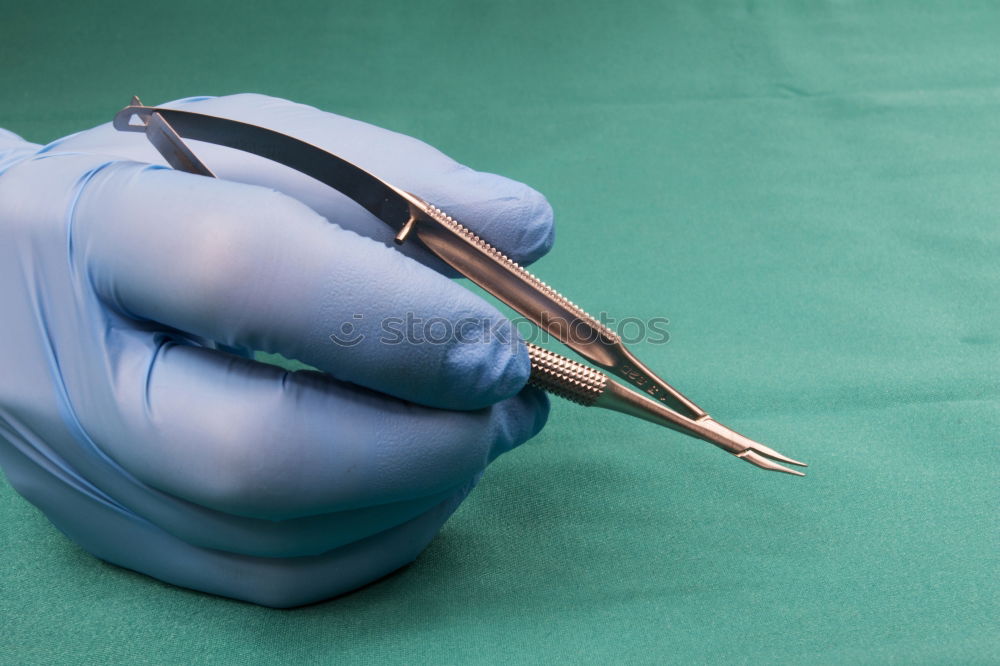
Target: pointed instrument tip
(755, 458)
(746, 448)
(774, 455)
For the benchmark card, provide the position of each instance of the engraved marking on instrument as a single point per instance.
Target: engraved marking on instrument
(631, 374)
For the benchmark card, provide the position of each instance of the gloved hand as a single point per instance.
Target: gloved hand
(133, 413)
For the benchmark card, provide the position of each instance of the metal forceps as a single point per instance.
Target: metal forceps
(413, 218)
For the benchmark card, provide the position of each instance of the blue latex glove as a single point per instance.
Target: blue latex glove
(133, 414)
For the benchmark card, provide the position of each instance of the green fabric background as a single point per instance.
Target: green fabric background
(809, 191)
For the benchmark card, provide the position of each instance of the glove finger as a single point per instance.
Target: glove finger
(508, 214)
(129, 541)
(34, 471)
(250, 439)
(296, 537)
(253, 268)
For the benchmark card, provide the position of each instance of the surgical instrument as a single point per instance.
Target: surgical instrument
(458, 246)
